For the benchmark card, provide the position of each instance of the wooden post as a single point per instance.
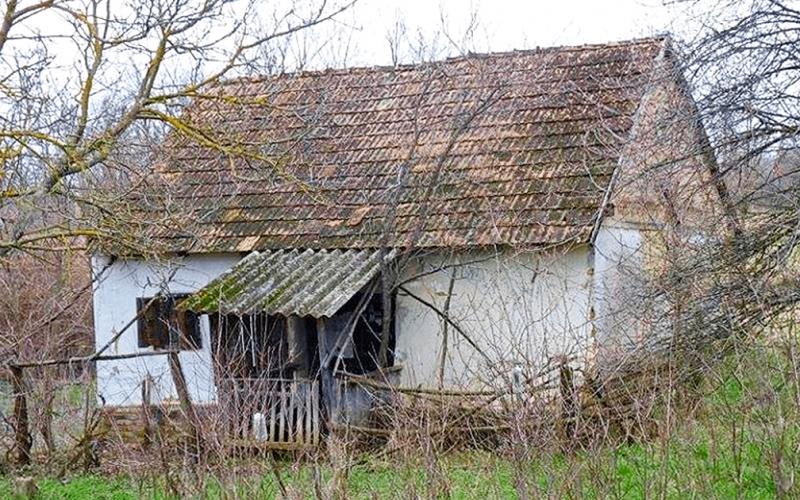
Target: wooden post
(22, 436)
(185, 401)
(386, 306)
(147, 413)
(445, 325)
(569, 408)
(296, 341)
(329, 402)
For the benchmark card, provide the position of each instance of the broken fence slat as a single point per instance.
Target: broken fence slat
(282, 413)
(273, 406)
(301, 412)
(309, 411)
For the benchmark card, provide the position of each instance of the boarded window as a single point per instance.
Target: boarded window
(163, 326)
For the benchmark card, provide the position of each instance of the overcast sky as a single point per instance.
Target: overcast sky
(505, 24)
(432, 29)
(358, 37)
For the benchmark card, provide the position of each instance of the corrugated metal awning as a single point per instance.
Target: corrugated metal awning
(313, 283)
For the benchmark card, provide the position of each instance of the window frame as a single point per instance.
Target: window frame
(167, 325)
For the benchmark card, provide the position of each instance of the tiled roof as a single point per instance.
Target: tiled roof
(309, 283)
(511, 148)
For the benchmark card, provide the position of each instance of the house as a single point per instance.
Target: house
(450, 223)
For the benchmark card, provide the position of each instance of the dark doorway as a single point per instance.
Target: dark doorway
(361, 356)
(249, 346)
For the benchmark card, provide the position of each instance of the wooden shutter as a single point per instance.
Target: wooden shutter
(152, 330)
(188, 326)
(163, 326)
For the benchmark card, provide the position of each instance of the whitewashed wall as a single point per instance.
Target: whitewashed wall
(519, 308)
(115, 293)
(623, 305)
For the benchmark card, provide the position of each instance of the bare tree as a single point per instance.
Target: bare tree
(84, 82)
(744, 68)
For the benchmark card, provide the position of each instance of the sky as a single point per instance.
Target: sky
(502, 24)
(431, 30)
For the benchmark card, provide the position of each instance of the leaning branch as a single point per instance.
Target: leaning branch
(85, 359)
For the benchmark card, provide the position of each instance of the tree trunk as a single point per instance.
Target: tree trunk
(22, 436)
(185, 402)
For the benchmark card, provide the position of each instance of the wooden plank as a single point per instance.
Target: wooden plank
(242, 407)
(272, 415)
(315, 411)
(569, 405)
(237, 409)
(236, 414)
(290, 413)
(324, 355)
(301, 411)
(148, 434)
(185, 402)
(309, 413)
(282, 412)
(233, 416)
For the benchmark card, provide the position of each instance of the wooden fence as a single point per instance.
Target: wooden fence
(280, 412)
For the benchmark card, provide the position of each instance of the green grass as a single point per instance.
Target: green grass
(630, 472)
(747, 421)
(470, 475)
(95, 487)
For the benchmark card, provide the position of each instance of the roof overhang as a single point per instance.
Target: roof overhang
(314, 283)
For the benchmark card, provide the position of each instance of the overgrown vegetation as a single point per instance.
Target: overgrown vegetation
(732, 432)
(735, 436)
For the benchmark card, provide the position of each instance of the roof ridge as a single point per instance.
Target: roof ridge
(660, 38)
(567, 48)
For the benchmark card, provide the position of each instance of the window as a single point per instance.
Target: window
(162, 326)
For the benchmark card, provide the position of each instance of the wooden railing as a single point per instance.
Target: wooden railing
(272, 411)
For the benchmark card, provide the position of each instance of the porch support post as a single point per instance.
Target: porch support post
(325, 374)
(296, 340)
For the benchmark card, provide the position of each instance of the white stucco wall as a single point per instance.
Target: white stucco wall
(519, 308)
(622, 305)
(115, 293)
